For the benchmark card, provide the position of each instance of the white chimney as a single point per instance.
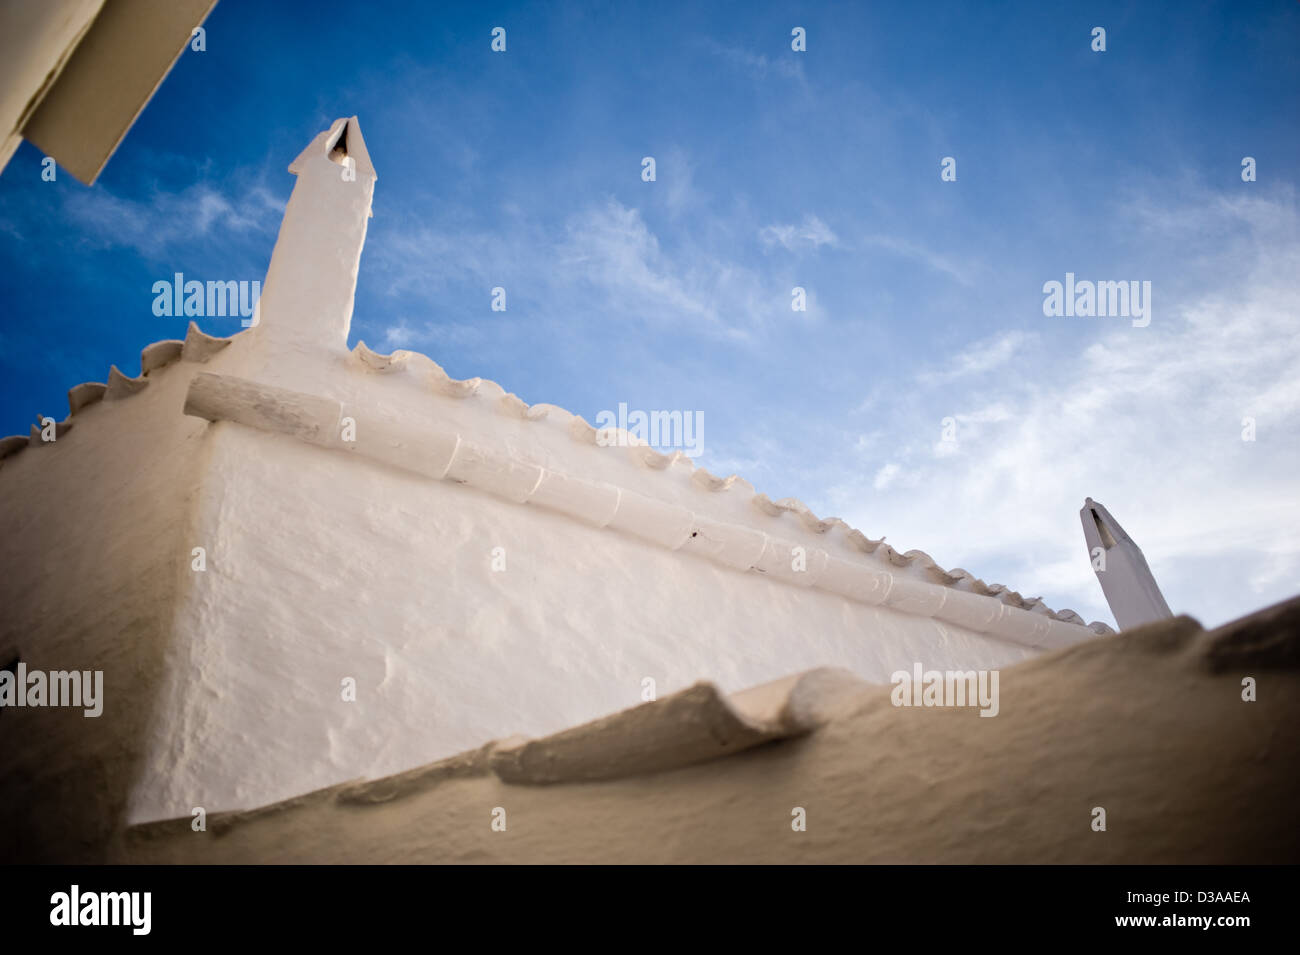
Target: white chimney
(1126, 580)
(308, 294)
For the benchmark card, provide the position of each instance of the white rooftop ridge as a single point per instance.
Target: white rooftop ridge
(911, 582)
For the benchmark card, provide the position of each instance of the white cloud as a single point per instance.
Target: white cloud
(1147, 421)
(961, 272)
(811, 233)
(885, 476)
(430, 335)
(677, 180)
(610, 248)
(979, 358)
(603, 263)
(156, 226)
(759, 66)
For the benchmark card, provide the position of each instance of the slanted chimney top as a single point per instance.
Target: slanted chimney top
(342, 141)
(1126, 581)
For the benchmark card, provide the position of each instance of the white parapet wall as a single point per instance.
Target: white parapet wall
(476, 573)
(93, 560)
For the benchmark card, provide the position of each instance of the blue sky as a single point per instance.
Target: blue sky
(775, 169)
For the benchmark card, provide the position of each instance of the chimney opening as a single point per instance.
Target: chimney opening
(1107, 539)
(339, 152)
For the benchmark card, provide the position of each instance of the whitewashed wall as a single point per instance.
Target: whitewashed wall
(93, 556)
(325, 565)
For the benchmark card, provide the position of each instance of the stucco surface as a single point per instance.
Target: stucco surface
(1149, 725)
(323, 567)
(94, 556)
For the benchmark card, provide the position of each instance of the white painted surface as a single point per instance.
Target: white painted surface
(93, 555)
(323, 567)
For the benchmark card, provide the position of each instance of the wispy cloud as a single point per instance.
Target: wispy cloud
(610, 248)
(430, 336)
(602, 263)
(157, 226)
(978, 358)
(679, 183)
(812, 233)
(961, 272)
(1149, 421)
(885, 476)
(759, 66)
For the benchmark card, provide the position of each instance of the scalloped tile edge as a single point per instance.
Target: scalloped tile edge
(647, 457)
(197, 347)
